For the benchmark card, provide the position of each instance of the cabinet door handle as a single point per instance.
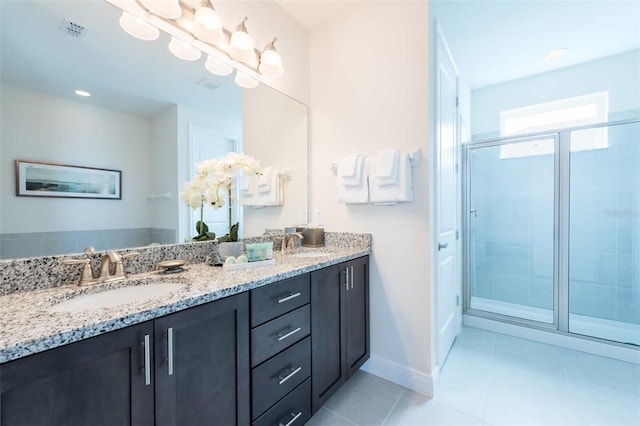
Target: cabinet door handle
(289, 297)
(346, 273)
(287, 333)
(295, 417)
(352, 278)
(292, 372)
(170, 350)
(147, 361)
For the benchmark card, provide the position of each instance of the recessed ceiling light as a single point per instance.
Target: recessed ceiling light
(82, 93)
(555, 54)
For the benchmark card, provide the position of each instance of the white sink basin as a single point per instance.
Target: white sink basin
(310, 254)
(115, 297)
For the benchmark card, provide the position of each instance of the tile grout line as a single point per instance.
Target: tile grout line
(341, 416)
(393, 406)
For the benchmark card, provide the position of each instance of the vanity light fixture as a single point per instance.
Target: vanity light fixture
(184, 50)
(138, 28)
(169, 9)
(82, 93)
(244, 80)
(195, 28)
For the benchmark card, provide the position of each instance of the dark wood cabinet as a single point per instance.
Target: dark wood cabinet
(339, 326)
(202, 364)
(106, 380)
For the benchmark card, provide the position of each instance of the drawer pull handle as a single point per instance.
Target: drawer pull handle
(147, 361)
(289, 297)
(281, 337)
(292, 373)
(295, 417)
(170, 350)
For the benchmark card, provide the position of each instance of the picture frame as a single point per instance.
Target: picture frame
(43, 179)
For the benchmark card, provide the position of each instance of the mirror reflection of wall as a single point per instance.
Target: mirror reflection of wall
(144, 109)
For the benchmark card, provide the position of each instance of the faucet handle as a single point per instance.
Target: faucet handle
(87, 274)
(129, 255)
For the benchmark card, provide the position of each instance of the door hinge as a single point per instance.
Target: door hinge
(457, 300)
(457, 168)
(457, 235)
(457, 101)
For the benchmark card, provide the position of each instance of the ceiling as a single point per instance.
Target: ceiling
(313, 14)
(138, 77)
(498, 41)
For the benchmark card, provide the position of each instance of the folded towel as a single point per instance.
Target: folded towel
(247, 182)
(352, 194)
(273, 197)
(356, 178)
(264, 181)
(401, 191)
(387, 167)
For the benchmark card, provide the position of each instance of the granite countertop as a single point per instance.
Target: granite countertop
(28, 328)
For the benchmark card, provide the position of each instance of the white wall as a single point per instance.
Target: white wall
(163, 212)
(266, 21)
(40, 127)
(369, 91)
(275, 133)
(619, 74)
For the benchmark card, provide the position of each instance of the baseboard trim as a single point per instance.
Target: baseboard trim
(410, 378)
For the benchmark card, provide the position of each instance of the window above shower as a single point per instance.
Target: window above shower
(564, 113)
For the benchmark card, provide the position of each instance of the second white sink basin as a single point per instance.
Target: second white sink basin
(115, 297)
(310, 254)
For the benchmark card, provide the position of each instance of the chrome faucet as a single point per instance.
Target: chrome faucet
(111, 268)
(289, 240)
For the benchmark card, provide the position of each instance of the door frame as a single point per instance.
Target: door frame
(438, 34)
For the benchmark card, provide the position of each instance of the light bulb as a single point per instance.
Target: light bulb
(138, 28)
(217, 66)
(207, 25)
(271, 63)
(246, 81)
(241, 44)
(169, 9)
(184, 50)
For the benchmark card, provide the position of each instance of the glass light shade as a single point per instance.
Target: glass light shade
(243, 80)
(138, 28)
(207, 25)
(241, 46)
(271, 64)
(184, 50)
(169, 9)
(217, 66)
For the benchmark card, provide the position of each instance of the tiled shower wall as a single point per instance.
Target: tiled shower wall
(30, 244)
(512, 235)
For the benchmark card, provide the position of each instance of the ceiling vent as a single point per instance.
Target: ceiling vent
(208, 84)
(73, 29)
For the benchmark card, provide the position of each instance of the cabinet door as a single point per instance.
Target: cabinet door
(357, 315)
(202, 364)
(98, 381)
(327, 335)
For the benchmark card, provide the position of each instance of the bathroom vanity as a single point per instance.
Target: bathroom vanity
(264, 347)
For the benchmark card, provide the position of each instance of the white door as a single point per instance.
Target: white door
(205, 144)
(448, 279)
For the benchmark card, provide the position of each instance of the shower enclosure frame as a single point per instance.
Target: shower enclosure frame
(561, 231)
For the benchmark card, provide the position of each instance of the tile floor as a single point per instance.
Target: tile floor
(494, 379)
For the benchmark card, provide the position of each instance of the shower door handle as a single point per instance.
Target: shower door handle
(474, 212)
(442, 246)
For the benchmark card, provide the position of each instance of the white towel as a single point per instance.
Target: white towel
(350, 170)
(355, 194)
(387, 167)
(247, 182)
(273, 197)
(401, 191)
(264, 181)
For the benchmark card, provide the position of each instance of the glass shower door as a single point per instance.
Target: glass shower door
(510, 228)
(604, 236)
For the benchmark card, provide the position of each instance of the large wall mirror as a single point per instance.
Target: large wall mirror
(150, 115)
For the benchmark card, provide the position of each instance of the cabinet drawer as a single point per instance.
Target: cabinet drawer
(276, 299)
(279, 376)
(293, 410)
(278, 334)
